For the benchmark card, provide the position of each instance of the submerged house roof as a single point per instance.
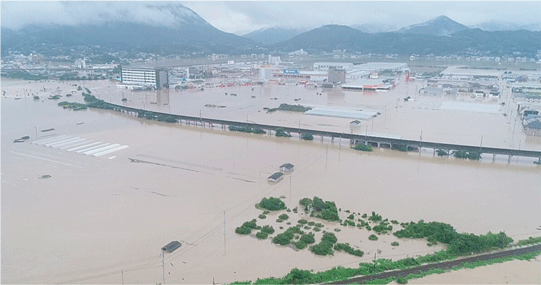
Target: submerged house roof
(287, 166)
(170, 247)
(276, 176)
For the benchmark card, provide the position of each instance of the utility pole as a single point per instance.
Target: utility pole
(299, 128)
(163, 265)
(36, 128)
(225, 248)
(122, 272)
(290, 188)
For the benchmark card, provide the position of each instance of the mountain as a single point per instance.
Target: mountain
(493, 26)
(184, 31)
(331, 37)
(440, 26)
(268, 36)
(375, 28)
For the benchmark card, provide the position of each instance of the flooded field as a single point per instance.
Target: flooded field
(104, 219)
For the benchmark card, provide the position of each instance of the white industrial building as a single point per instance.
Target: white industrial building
(324, 66)
(157, 78)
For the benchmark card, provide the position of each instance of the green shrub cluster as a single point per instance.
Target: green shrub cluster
(456, 243)
(375, 217)
(272, 204)
(293, 108)
(74, 106)
(303, 222)
(395, 243)
(281, 133)
(351, 217)
(347, 248)
(286, 237)
(325, 210)
(308, 238)
(348, 223)
(530, 240)
(363, 147)
(383, 228)
(283, 217)
(261, 216)
(322, 248)
(373, 237)
(307, 137)
(246, 130)
(399, 147)
(471, 155)
(300, 244)
(247, 227)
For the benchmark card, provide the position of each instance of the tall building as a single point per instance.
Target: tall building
(336, 75)
(157, 78)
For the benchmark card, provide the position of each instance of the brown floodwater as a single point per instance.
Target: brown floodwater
(101, 219)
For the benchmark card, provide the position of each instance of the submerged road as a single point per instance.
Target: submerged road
(353, 137)
(441, 265)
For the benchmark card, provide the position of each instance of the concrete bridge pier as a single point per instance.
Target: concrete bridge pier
(509, 159)
(493, 157)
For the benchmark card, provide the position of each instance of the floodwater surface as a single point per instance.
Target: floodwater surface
(104, 219)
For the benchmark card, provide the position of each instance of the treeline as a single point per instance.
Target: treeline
(25, 75)
(73, 76)
(246, 130)
(292, 108)
(457, 243)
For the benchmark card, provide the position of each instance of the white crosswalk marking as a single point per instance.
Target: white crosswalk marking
(101, 149)
(43, 141)
(110, 151)
(80, 145)
(83, 141)
(94, 147)
(60, 142)
(83, 146)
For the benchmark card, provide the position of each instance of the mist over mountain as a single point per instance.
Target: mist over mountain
(171, 28)
(268, 36)
(332, 37)
(373, 28)
(440, 26)
(181, 29)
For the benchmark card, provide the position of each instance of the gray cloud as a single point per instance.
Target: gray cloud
(16, 15)
(246, 16)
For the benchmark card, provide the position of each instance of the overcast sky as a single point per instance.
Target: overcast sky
(246, 16)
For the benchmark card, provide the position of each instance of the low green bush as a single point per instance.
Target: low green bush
(300, 244)
(272, 204)
(347, 248)
(261, 235)
(308, 238)
(283, 217)
(261, 216)
(395, 243)
(363, 147)
(303, 221)
(322, 248)
(373, 237)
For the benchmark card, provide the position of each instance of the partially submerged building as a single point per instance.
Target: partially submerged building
(277, 176)
(287, 167)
